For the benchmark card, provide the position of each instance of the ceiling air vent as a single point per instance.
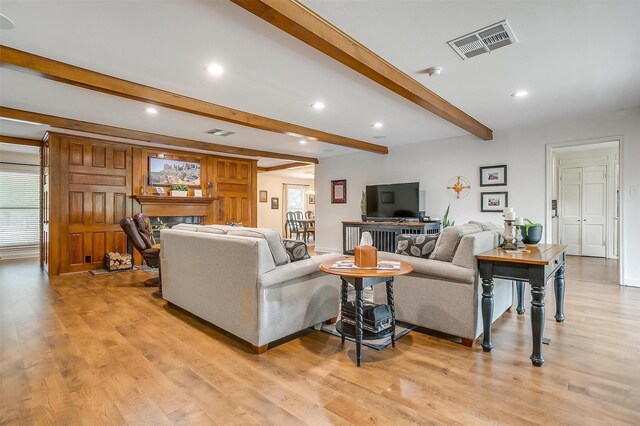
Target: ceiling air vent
(484, 40)
(220, 132)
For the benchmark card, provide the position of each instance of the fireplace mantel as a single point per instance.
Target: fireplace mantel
(163, 205)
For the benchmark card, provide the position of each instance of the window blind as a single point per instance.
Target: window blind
(19, 206)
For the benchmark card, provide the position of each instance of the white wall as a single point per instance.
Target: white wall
(433, 163)
(271, 218)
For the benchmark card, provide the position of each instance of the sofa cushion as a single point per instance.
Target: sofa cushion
(297, 250)
(420, 245)
(449, 239)
(186, 227)
(280, 255)
(434, 268)
(223, 228)
(486, 226)
(211, 230)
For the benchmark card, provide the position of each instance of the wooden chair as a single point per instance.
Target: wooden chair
(292, 226)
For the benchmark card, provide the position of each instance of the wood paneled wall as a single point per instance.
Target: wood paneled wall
(90, 188)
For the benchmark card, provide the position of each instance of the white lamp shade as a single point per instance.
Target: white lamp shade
(365, 239)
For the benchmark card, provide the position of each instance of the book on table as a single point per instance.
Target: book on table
(382, 264)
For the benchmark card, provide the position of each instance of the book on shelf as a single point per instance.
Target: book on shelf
(382, 264)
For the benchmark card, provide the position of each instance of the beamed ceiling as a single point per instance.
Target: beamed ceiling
(269, 73)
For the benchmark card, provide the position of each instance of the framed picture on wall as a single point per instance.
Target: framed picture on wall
(493, 175)
(493, 201)
(275, 203)
(312, 198)
(163, 171)
(339, 191)
(263, 196)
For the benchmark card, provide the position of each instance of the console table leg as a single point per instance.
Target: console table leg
(520, 290)
(359, 320)
(537, 321)
(487, 312)
(344, 290)
(559, 288)
(393, 311)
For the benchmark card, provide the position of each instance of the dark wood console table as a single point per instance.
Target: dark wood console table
(384, 234)
(535, 265)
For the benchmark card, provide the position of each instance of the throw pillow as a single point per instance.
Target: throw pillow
(486, 226)
(419, 245)
(297, 250)
(280, 256)
(450, 237)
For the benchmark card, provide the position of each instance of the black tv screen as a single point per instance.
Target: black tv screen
(399, 200)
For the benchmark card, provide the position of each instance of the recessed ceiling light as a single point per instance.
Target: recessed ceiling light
(150, 110)
(214, 69)
(317, 105)
(377, 125)
(6, 23)
(302, 142)
(433, 71)
(15, 120)
(520, 94)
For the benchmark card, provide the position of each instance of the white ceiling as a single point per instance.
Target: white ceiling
(575, 58)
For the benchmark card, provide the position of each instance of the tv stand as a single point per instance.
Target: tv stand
(384, 234)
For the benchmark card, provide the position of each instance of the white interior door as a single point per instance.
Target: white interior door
(594, 211)
(570, 209)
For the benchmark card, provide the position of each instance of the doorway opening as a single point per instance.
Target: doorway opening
(584, 200)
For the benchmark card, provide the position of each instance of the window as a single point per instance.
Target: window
(19, 206)
(295, 198)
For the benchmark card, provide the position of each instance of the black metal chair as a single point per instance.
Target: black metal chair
(140, 235)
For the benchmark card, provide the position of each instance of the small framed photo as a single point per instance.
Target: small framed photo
(263, 196)
(197, 192)
(312, 198)
(275, 203)
(159, 190)
(493, 175)
(493, 201)
(339, 191)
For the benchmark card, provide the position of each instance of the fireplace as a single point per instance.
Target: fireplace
(166, 222)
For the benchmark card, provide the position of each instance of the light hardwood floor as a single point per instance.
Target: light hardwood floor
(79, 349)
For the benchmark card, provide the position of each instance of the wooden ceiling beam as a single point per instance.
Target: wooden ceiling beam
(119, 132)
(20, 141)
(310, 28)
(80, 77)
(282, 167)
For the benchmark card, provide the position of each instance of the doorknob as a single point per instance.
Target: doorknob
(584, 220)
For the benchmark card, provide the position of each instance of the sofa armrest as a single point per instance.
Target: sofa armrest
(473, 244)
(295, 270)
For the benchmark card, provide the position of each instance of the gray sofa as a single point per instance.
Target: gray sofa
(230, 277)
(445, 295)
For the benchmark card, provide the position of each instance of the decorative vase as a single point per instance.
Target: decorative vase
(533, 235)
(363, 217)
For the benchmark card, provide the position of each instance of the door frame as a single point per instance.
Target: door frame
(549, 189)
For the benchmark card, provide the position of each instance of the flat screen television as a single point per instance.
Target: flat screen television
(398, 200)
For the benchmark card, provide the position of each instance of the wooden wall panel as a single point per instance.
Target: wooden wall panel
(91, 188)
(76, 207)
(76, 249)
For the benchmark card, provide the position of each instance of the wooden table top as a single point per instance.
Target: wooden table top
(538, 254)
(405, 268)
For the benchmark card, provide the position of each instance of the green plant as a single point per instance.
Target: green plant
(529, 224)
(445, 219)
(179, 188)
(363, 203)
